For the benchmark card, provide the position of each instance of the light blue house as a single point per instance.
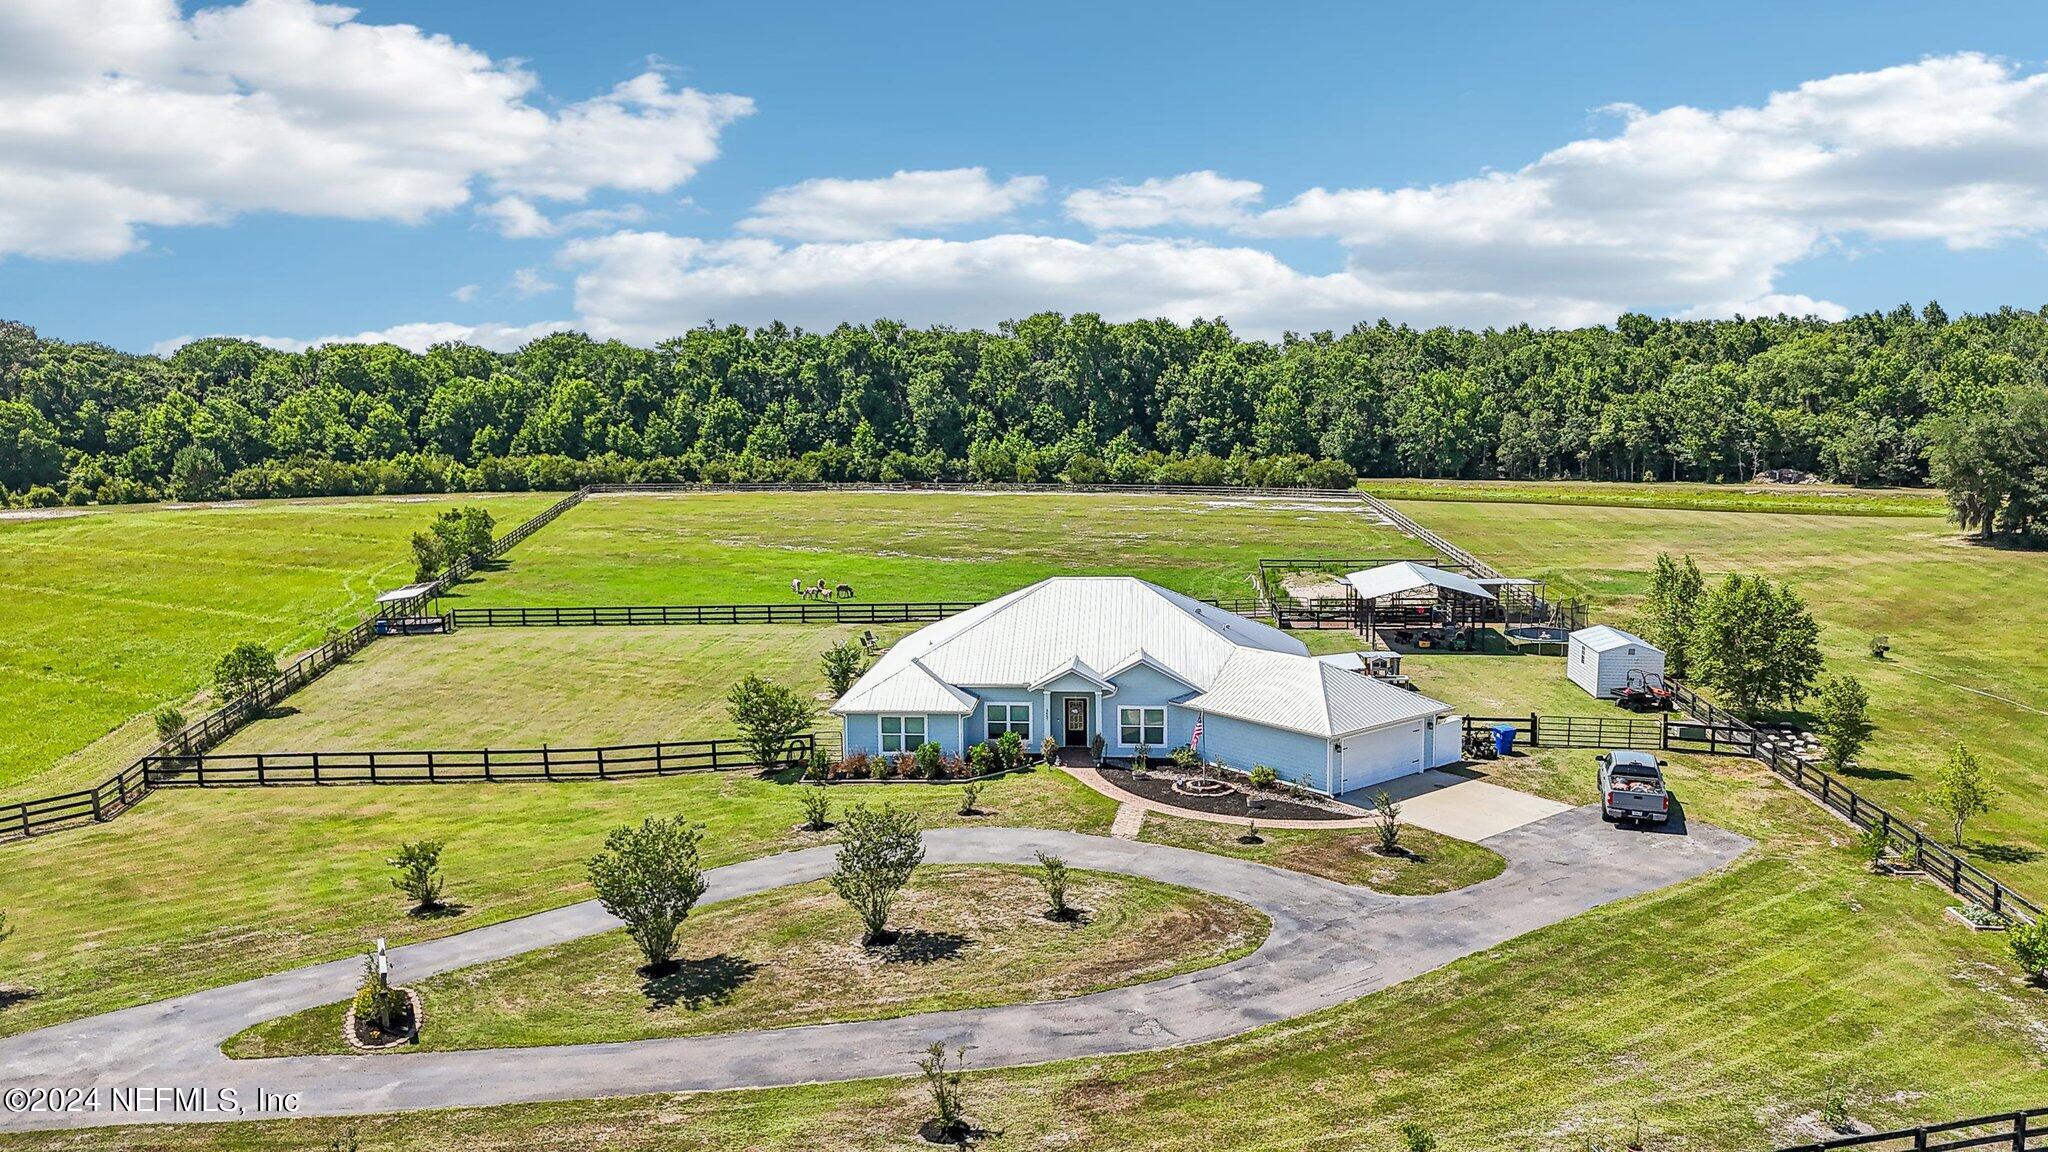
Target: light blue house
(1077, 656)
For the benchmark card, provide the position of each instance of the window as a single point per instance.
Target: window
(1007, 718)
(902, 733)
(1142, 726)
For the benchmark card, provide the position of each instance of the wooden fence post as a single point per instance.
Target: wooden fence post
(2019, 1132)
(487, 765)
(600, 763)
(547, 764)
(1533, 741)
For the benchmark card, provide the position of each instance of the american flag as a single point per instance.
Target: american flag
(1196, 743)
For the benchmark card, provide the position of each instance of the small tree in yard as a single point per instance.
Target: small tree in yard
(843, 664)
(1871, 847)
(1960, 792)
(969, 796)
(2028, 944)
(769, 716)
(419, 873)
(817, 809)
(1416, 1138)
(427, 556)
(879, 854)
(944, 1083)
(169, 722)
(649, 877)
(1010, 750)
(1386, 825)
(245, 667)
(1841, 718)
(1052, 876)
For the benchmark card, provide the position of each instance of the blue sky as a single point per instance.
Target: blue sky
(260, 170)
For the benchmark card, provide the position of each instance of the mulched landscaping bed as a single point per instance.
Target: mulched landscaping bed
(1158, 786)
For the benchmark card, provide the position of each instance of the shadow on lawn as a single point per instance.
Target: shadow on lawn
(916, 946)
(445, 910)
(2005, 853)
(9, 997)
(696, 984)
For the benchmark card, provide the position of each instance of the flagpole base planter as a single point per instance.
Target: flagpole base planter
(1233, 800)
(363, 1036)
(1197, 786)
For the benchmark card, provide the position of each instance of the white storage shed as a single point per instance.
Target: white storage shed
(1600, 658)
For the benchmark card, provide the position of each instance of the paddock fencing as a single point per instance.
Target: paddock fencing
(464, 765)
(129, 786)
(2025, 1131)
(806, 612)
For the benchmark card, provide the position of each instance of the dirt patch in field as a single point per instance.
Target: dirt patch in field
(1314, 586)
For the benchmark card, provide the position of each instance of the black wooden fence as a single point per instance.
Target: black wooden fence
(461, 765)
(805, 612)
(1945, 865)
(117, 794)
(2025, 1131)
(1659, 733)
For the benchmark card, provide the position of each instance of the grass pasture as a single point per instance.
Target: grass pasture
(524, 687)
(745, 547)
(1968, 663)
(109, 614)
(972, 937)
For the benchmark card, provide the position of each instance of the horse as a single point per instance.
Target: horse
(845, 592)
(796, 585)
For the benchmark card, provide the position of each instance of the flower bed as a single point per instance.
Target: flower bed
(861, 768)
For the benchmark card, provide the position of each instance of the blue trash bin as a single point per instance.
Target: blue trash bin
(1503, 738)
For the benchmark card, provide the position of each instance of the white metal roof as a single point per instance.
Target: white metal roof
(1602, 638)
(909, 688)
(1407, 576)
(1358, 661)
(1014, 641)
(405, 593)
(1308, 696)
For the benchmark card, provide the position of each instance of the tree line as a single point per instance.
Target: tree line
(1901, 397)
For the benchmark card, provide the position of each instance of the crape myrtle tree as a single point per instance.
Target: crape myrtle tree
(1880, 398)
(879, 851)
(650, 878)
(242, 669)
(769, 717)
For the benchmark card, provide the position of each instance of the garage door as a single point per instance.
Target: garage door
(1373, 757)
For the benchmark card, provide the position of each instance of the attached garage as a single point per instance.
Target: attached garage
(1599, 659)
(1375, 757)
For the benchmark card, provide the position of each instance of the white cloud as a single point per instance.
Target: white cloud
(418, 337)
(644, 286)
(117, 115)
(1702, 211)
(833, 209)
(527, 282)
(467, 292)
(1202, 199)
(516, 218)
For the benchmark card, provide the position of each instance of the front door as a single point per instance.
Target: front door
(1077, 722)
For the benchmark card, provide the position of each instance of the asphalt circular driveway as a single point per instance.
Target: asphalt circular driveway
(1329, 944)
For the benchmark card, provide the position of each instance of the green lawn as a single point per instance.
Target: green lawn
(524, 687)
(703, 548)
(1825, 499)
(1433, 864)
(970, 937)
(110, 613)
(1966, 663)
(195, 888)
(1722, 1012)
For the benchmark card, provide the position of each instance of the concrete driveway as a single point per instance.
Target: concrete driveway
(1459, 804)
(1329, 944)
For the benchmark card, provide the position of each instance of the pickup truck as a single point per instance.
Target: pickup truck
(1632, 788)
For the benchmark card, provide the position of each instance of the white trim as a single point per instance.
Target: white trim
(1009, 718)
(1141, 725)
(903, 732)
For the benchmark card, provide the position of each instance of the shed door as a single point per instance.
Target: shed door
(1385, 754)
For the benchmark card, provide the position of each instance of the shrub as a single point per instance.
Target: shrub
(1095, 747)
(1834, 1111)
(419, 873)
(1050, 749)
(931, 762)
(1186, 759)
(817, 806)
(968, 796)
(1010, 750)
(1141, 758)
(1416, 1138)
(982, 758)
(820, 766)
(843, 664)
(1386, 825)
(769, 716)
(878, 768)
(854, 765)
(944, 1084)
(649, 877)
(1264, 777)
(1052, 876)
(169, 722)
(1871, 846)
(2028, 944)
(877, 858)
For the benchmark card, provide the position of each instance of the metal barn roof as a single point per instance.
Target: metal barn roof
(1603, 638)
(1308, 696)
(1407, 576)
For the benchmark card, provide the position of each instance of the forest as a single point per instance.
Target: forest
(1905, 397)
